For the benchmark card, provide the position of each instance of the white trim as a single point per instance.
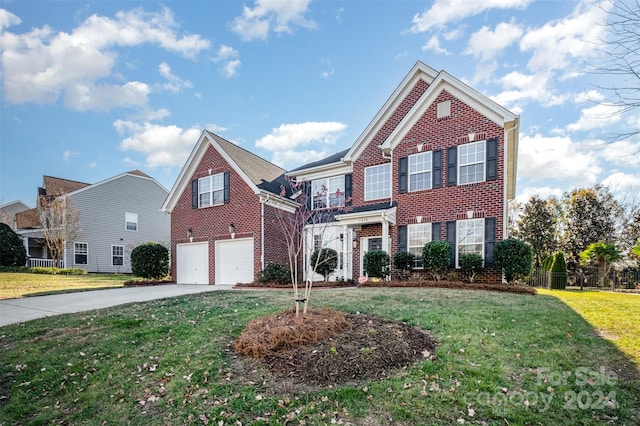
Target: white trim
(484, 162)
(326, 170)
(74, 253)
(113, 255)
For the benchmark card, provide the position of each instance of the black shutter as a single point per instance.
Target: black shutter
(402, 238)
(436, 175)
(194, 193)
(307, 194)
(451, 239)
(492, 159)
(226, 187)
(403, 166)
(436, 231)
(348, 189)
(489, 239)
(452, 166)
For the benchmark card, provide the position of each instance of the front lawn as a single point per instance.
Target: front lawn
(501, 359)
(15, 285)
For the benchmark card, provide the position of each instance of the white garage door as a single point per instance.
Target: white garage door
(234, 261)
(192, 263)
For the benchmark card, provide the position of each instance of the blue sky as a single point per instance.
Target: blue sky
(94, 89)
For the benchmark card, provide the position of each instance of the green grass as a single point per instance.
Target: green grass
(16, 285)
(502, 359)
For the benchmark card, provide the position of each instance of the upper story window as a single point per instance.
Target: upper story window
(131, 221)
(329, 192)
(470, 237)
(420, 171)
(417, 236)
(471, 162)
(211, 190)
(80, 253)
(377, 182)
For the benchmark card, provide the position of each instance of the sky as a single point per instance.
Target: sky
(94, 89)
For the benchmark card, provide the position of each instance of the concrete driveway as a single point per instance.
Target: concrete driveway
(28, 308)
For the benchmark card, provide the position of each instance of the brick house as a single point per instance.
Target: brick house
(223, 209)
(437, 162)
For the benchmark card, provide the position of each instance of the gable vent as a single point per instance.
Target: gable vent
(444, 109)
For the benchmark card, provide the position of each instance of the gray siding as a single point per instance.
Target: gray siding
(102, 210)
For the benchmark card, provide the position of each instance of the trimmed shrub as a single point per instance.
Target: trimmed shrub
(376, 263)
(12, 251)
(559, 272)
(150, 260)
(57, 271)
(513, 257)
(324, 261)
(436, 256)
(403, 263)
(471, 264)
(547, 263)
(274, 272)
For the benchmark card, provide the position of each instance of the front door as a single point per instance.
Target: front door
(368, 244)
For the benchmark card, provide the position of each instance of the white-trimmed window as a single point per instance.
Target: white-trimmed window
(377, 182)
(328, 192)
(80, 253)
(420, 171)
(418, 235)
(211, 190)
(117, 255)
(131, 221)
(471, 162)
(470, 237)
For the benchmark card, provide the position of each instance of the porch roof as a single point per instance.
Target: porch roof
(369, 214)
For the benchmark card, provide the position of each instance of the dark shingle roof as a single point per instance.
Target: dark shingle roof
(334, 158)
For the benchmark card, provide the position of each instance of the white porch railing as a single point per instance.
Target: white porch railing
(43, 263)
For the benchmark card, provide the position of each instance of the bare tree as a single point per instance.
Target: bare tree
(298, 230)
(60, 224)
(621, 59)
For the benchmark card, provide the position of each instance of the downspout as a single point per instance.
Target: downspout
(262, 203)
(505, 213)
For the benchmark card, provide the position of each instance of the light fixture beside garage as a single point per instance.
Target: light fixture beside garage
(232, 230)
(190, 235)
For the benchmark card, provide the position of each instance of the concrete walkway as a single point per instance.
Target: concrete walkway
(28, 308)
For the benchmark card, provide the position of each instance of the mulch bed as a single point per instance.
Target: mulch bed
(328, 347)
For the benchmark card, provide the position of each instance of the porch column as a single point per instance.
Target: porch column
(345, 254)
(385, 235)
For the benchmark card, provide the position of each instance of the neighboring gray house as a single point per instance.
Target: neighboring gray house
(8, 212)
(116, 215)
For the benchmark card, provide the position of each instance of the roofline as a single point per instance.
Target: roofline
(112, 178)
(15, 202)
(445, 81)
(318, 171)
(417, 72)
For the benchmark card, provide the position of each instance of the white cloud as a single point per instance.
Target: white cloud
(522, 88)
(67, 155)
(559, 45)
(596, 117)
(543, 192)
(623, 153)
(558, 157)
(175, 84)
(620, 182)
(271, 15)
(229, 58)
(443, 12)
(287, 142)
(433, 44)
(162, 146)
(487, 44)
(42, 66)
(8, 19)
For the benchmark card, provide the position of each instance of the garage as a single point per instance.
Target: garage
(234, 261)
(192, 263)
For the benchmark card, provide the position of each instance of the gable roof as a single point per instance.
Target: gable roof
(135, 173)
(53, 186)
(259, 174)
(28, 219)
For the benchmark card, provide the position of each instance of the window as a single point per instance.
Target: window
(328, 192)
(211, 190)
(117, 255)
(377, 182)
(80, 253)
(420, 171)
(131, 221)
(418, 235)
(471, 157)
(317, 242)
(470, 237)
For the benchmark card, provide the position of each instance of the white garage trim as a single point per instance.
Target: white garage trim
(234, 261)
(192, 263)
